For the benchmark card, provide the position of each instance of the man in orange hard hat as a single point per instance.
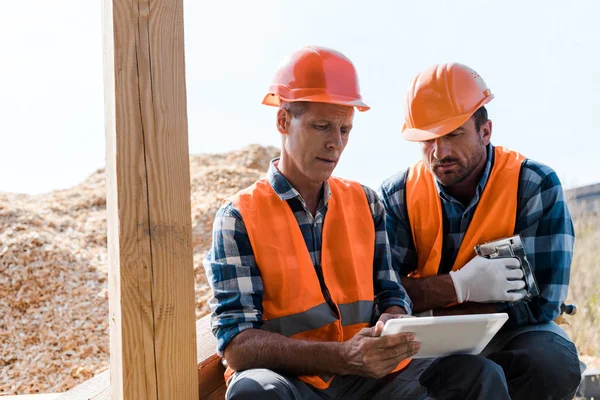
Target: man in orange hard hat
(465, 192)
(300, 266)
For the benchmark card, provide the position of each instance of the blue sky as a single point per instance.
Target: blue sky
(540, 58)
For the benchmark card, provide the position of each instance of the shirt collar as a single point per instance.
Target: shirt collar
(482, 182)
(284, 189)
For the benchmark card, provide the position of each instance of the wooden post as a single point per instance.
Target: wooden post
(151, 280)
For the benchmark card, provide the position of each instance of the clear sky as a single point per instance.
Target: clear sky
(540, 58)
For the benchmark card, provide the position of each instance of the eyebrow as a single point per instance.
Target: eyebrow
(328, 121)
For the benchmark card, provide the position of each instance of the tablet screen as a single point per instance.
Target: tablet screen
(441, 336)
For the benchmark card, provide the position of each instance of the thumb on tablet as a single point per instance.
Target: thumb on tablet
(378, 328)
(374, 331)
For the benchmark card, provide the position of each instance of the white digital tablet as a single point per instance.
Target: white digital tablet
(442, 336)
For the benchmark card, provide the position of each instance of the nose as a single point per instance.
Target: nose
(335, 140)
(441, 148)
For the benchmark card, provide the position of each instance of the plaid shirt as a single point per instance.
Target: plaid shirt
(542, 219)
(234, 276)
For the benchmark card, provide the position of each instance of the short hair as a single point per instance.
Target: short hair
(296, 108)
(481, 117)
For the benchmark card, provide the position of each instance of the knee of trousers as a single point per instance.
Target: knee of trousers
(476, 368)
(468, 369)
(258, 384)
(555, 368)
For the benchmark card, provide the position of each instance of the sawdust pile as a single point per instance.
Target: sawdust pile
(53, 271)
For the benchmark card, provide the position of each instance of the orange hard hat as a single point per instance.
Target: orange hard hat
(316, 74)
(441, 99)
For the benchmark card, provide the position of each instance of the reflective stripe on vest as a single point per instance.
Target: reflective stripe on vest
(319, 316)
(494, 217)
(357, 312)
(313, 318)
(293, 304)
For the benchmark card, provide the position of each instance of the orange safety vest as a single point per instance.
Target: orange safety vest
(293, 303)
(495, 215)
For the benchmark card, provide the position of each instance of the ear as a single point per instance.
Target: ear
(283, 121)
(486, 132)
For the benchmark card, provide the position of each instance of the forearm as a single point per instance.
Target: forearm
(386, 279)
(256, 348)
(430, 293)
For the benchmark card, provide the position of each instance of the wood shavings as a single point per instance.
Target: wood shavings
(53, 271)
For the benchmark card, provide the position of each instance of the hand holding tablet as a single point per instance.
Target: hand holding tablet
(442, 336)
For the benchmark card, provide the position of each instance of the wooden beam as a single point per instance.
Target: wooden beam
(151, 281)
(97, 388)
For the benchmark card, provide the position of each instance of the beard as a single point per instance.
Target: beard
(460, 171)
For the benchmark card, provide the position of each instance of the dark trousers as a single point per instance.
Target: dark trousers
(539, 365)
(462, 377)
(533, 365)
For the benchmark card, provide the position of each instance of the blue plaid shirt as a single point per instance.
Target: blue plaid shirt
(542, 219)
(234, 276)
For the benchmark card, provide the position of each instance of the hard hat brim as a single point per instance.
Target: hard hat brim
(434, 131)
(272, 99)
(441, 128)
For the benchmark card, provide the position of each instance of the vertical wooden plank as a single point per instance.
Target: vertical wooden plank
(151, 284)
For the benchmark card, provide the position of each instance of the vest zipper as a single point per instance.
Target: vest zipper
(321, 276)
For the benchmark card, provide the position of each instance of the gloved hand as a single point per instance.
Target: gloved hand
(485, 280)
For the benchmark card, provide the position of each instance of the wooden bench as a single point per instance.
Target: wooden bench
(210, 372)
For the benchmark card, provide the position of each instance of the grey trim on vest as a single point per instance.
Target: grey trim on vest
(310, 319)
(319, 316)
(357, 312)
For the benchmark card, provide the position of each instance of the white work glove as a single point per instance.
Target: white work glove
(484, 280)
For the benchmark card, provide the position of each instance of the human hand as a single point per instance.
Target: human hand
(393, 312)
(486, 280)
(371, 355)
